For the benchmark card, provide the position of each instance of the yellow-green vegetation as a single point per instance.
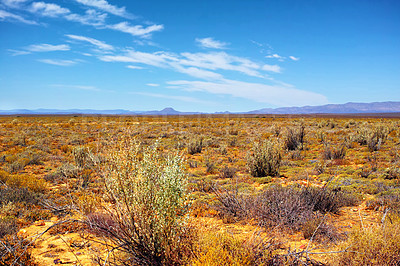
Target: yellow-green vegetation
(203, 190)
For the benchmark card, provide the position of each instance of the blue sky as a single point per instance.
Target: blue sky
(208, 55)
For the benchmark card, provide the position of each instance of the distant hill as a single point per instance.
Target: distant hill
(347, 108)
(165, 111)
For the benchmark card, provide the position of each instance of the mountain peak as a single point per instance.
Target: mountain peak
(168, 109)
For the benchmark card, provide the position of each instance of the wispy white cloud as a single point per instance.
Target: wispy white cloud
(48, 9)
(282, 58)
(134, 67)
(136, 30)
(197, 72)
(152, 84)
(158, 59)
(211, 43)
(44, 47)
(4, 15)
(47, 47)
(18, 52)
(224, 61)
(274, 56)
(59, 62)
(13, 3)
(105, 6)
(91, 17)
(99, 44)
(199, 65)
(171, 97)
(79, 87)
(272, 68)
(271, 94)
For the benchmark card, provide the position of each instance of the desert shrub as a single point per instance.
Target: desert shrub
(8, 226)
(226, 249)
(83, 157)
(10, 194)
(210, 166)
(227, 172)
(32, 157)
(320, 231)
(195, 146)
(16, 166)
(334, 153)
(320, 167)
(372, 137)
(150, 207)
(63, 172)
(231, 205)
(13, 251)
(264, 159)
(389, 201)
(294, 138)
(326, 199)
(283, 206)
(32, 183)
(376, 245)
(392, 172)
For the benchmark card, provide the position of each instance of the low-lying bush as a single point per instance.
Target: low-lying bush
(13, 251)
(226, 249)
(227, 172)
(376, 245)
(327, 200)
(294, 138)
(264, 159)
(330, 152)
(195, 146)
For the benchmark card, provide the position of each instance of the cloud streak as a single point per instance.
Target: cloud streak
(48, 9)
(59, 62)
(4, 15)
(211, 43)
(79, 87)
(136, 30)
(271, 94)
(99, 44)
(47, 47)
(105, 6)
(199, 65)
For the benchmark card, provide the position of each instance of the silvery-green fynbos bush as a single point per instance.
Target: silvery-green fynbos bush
(149, 217)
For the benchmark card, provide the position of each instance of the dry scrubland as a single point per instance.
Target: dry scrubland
(194, 190)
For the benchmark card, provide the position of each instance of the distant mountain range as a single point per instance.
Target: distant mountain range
(347, 108)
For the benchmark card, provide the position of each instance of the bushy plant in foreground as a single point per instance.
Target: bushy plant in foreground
(149, 217)
(377, 245)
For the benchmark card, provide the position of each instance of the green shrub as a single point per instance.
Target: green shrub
(150, 210)
(264, 159)
(294, 139)
(195, 146)
(334, 152)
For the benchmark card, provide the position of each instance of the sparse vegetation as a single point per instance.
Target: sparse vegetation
(197, 190)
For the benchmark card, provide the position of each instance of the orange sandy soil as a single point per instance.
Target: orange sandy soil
(80, 249)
